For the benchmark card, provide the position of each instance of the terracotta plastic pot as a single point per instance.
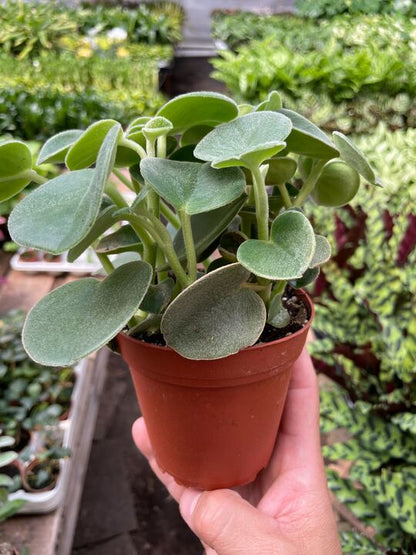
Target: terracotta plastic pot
(213, 424)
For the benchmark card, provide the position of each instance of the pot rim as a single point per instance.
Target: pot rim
(165, 348)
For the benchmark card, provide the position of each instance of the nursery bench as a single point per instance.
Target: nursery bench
(52, 533)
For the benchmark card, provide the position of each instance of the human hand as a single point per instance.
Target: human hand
(287, 509)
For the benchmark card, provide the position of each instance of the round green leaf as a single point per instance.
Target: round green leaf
(288, 253)
(322, 251)
(55, 148)
(280, 170)
(15, 168)
(245, 141)
(158, 296)
(354, 157)
(82, 316)
(308, 277)
(215, 316)
(198, 108)
(337, 184)
(58, 215)
(83, 153)
(192, 187)
(6, 441)
(7, 458)
(278, 316)
(157, 127)
(193, 135)
(307, 139)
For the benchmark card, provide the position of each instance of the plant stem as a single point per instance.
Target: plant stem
(116, 197)
(160, 234)
(132, 145)
(279, 289)
(309, 182)
(161, 147)
(169, 214)
(105, 263)
(285, 195)
(262, 204)
(161, 261)
(189, 244)
(120, 175)
(35, 177)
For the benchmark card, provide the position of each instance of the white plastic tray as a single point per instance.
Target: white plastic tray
(44, 502)
(87, 263)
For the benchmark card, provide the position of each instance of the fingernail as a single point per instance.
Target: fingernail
(188, 503)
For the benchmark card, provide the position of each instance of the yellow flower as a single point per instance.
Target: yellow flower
(84, 52)
(122, 52)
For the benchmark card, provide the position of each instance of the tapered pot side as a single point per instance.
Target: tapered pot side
(213, 423)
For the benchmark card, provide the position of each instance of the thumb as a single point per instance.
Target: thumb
(226, 522)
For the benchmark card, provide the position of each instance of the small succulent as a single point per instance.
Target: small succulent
(206, 174)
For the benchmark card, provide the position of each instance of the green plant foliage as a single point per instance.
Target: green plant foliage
(366, 322)
(352, 64)
(182, 211)
(329, 8)
(27, 28)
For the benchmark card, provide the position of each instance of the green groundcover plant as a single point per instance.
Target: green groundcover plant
(205, 173)
(366, 323)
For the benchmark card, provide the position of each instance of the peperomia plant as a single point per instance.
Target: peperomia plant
(206, 174)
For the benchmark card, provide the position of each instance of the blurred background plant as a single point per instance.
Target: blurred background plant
(366, 328)
(77, 66)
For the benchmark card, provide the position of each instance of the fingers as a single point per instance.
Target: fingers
(141, 439)
(230, 525)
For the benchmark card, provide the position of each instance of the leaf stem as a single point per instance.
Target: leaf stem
(120, 175)
(169, 214)
(285, 195)
(35, 177)
(309, 182)
(262, 204)
(105, 263)
(160, 234)
(115, 195)
(132, 145)
(189, 244)
(161, 147)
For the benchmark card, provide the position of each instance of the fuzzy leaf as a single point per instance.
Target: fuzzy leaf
(193, 135)
(6, 441)
(198, 108)
(215, 316)
(124, 239)
(307, 139)
(83, 153)
(288, 253)
(354, 157)
(308, 277)
(191, 187)
(272, 103)
(322, 251)
(278, 316)
(246, 141)
(15, 165)
(7, 457)
(55, 148)
(81, 316)
(158, 296)
(58, 215)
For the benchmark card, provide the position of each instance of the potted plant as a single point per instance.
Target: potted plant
(210, 338)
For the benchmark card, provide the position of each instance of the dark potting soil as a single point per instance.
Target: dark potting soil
(294, 303)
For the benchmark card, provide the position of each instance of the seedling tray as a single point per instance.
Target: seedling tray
(44, 502)
(87, 263)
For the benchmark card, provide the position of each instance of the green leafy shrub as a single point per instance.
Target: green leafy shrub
(158, 23)
(366, 324)
(340, 74)
(330, 8)
(61, 92)
(27, 28)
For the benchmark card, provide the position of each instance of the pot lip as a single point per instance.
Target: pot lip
(165, 348)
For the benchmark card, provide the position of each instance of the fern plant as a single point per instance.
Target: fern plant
(366, 323)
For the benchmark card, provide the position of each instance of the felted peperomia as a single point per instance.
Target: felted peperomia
(205, 173)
